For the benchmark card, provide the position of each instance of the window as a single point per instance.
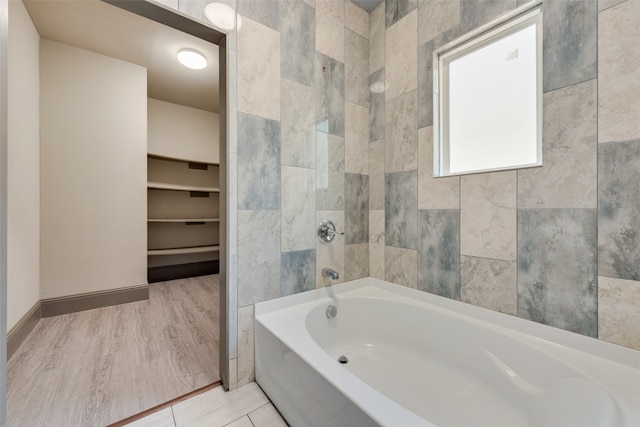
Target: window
(488, 97)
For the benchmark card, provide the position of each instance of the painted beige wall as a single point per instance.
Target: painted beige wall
(183, 132)
(23, 192)
(93, 171)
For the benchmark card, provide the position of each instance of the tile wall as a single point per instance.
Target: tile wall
(298, 152)
(559, 244)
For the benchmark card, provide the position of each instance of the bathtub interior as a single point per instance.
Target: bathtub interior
(464, 373)
(447, 367)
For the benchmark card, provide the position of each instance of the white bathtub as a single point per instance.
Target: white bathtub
(416, 359)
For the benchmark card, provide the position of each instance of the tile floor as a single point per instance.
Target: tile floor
(244, 407)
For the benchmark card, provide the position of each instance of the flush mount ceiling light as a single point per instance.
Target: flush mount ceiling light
(192, 59)
(222, 16)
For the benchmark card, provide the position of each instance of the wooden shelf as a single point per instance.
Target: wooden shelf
(183, 220)
(182, 251)
(178, 159)
(177, 187)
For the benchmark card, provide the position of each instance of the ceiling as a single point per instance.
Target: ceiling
(108, 30)
(367, 5)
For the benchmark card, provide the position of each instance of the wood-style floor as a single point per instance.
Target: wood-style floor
(97, 367)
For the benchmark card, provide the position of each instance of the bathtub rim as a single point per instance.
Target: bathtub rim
(591, 345)
(370, 400)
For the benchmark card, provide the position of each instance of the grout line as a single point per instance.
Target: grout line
(239, 418)
(173, 415)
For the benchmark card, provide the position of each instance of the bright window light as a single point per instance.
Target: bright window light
(489, 98)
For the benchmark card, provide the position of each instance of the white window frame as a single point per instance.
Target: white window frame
(500, 28)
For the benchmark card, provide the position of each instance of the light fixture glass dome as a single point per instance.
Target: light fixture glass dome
(192, 59)
(222, 16)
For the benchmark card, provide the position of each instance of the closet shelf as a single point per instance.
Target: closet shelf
(179, 159)
(177, 187)
(182, 251)
(183, 220)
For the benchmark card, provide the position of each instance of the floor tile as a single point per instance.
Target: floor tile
(241, 422)
(267, 416)
(218, 407)
(162, 418)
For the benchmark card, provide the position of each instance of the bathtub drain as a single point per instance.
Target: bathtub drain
(343, 359)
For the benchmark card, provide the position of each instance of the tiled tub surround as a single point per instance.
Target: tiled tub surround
(514, 372)
(556, 244)
(277, 84)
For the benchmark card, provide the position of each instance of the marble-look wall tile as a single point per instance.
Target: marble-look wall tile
(298, 208)
(439, 252)
(298, 41)
(330, 255)
(619, 210)
(569, 175)
(489, 283)
(619, 79)
(298, 269)
(356, 261)
(356, 68)
(173, 4)
(329, 171)
(434, 193)
(356, 139)
(232, 203)
(232, 305)
(266, 12)
(232, 101)
(401, 49)
(258, 162)
(435, 17)
(376, 105)
(356, 209)
(376, 174)
(569, 42)
(401, 209)
(401, 266)
(376, 244)
(233, 374)
(329, 95)
(330, 28)
(356, 19)
(377, 35)
(258, 256)
(619, 311)
(395, 10)
(474, 13)
(401, 134)
(606, 4)
(488, 215)
(557, 268)
(246, 372)
(425, 84)
(258, 70)
(298, 124)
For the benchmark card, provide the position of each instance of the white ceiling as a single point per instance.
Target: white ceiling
(102, 28)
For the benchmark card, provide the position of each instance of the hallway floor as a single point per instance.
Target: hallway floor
(96, 367)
